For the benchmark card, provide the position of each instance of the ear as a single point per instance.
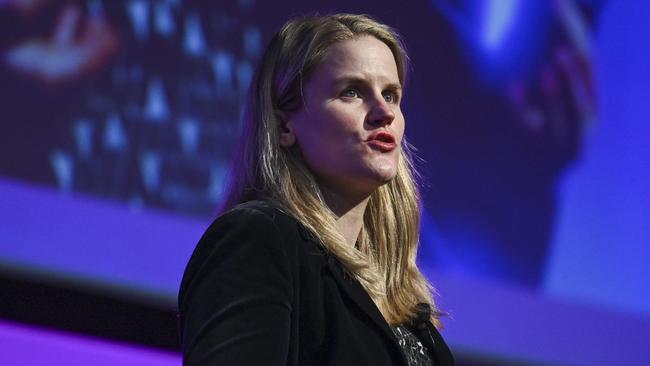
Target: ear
(287, 137)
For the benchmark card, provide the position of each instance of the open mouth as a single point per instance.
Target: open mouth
(383, 141)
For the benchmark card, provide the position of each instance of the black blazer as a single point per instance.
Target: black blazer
(260, 290)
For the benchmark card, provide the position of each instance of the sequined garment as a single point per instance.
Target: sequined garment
(415, 352)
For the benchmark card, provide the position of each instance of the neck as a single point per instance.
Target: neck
(349, 214)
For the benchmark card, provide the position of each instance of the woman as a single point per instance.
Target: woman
(312, 261)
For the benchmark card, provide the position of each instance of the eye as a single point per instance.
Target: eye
(390, 97)
(350, 93)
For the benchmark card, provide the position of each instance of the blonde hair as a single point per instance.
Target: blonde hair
(384, 258)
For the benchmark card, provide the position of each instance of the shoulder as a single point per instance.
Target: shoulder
(255, 235)
(254, 223)
(255, 229)
(255, 217)
(258, 208)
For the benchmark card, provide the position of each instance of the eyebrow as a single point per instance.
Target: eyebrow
(360, 80)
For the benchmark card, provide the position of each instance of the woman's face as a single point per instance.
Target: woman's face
(351, 126)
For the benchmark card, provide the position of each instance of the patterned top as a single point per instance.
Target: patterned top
(415, 352)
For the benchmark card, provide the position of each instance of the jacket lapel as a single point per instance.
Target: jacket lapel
(358, 294)
(426, 332)
(355, 292)
(431, 338)
(442, 352)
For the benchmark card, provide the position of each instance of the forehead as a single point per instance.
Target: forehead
(366, 57)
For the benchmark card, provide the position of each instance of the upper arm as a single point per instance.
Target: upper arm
(236, 295)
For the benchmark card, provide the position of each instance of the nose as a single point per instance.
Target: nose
(381, 113)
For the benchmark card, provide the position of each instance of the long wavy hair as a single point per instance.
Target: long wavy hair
(383, 260)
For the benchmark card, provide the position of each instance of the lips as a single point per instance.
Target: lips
(382, 141)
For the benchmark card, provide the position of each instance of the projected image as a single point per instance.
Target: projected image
(139, 101)
(130, 100)
(509, 104)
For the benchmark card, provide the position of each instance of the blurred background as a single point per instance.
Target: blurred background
(117, 121)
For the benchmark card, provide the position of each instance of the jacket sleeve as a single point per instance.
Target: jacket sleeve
(236, 294)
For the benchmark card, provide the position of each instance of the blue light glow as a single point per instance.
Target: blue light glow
(114, 135)
(188, 131)
(194, 40)
(150, 165)
(497, 19)
(83, 135)
(63, 167)
(222, 67)
(503, 39)
(139, 14)
(164, 19)
(156, 108)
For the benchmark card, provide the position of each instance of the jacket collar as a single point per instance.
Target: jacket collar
(441, 350)
(353, 289)
(425, 331)
(431, 338)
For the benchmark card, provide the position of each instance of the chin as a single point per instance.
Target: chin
(385, 177)
(387, 172)
(388, 179)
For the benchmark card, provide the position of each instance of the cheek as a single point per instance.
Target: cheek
(399, 126)
(332, 131)
(319, 142)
